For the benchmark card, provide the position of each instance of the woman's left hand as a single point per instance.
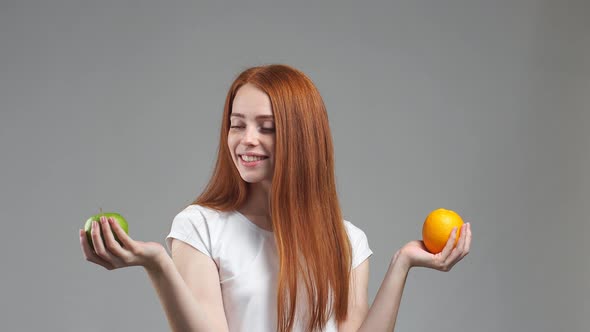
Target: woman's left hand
(416, 254)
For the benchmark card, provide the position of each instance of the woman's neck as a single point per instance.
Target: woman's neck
(257, 201)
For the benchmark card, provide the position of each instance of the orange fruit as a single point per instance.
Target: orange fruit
(437, 229)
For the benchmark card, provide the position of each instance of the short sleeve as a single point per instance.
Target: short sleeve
(360, 244)
(191, 227)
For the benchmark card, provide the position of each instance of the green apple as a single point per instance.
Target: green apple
(118, 218)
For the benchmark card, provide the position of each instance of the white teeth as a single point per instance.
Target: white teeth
(251, 158)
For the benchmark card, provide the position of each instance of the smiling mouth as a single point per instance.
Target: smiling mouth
(250, 159)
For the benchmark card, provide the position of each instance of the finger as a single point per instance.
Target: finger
(127, 241)
(458, 251)
(90, 255)
(98, 243)
(112, 245)
(449, 246)
(467, 240)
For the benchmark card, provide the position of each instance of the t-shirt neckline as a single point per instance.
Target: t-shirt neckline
(253, 225)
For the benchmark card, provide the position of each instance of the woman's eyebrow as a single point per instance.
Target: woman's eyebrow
(240, 115)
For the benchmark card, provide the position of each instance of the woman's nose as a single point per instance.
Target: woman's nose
(250, 136)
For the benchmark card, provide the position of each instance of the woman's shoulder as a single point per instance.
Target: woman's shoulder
(360, 243)
(200, 216)
(353, 230)
(200, 226)
(216, 221)
(195, 209)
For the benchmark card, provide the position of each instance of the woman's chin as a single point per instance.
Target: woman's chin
(254, 180)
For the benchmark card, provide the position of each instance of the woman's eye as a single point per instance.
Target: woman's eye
(265, 129)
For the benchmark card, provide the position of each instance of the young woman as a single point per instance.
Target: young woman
(265, 246)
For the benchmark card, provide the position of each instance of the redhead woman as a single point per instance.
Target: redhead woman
(265, 247)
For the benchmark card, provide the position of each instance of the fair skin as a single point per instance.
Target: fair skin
(252, 130)
(188, 282)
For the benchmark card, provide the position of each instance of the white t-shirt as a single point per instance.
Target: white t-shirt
(247, 260)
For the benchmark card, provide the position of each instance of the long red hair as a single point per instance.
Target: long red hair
(307, 221)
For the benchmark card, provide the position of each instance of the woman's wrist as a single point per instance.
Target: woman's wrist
(401, 260)
(158, 263)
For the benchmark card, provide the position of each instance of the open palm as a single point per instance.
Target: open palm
(112, 255)
(418, 255)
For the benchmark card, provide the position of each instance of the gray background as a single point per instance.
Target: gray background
(482, 107)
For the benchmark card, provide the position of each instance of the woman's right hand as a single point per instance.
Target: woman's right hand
(111, 255)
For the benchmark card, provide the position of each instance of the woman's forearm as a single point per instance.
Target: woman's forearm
(383, 312)
(183, 311)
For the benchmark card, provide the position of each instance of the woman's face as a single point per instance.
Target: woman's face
(251, 137)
